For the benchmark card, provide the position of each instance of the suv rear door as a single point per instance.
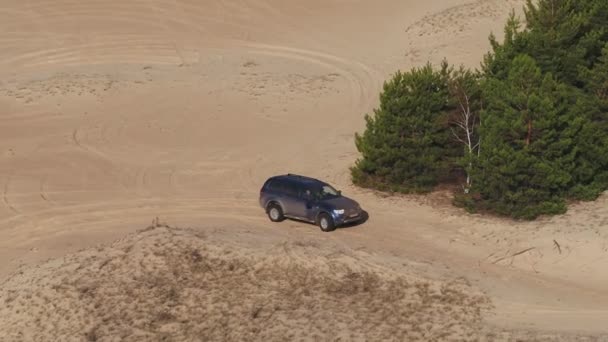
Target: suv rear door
(290, 197)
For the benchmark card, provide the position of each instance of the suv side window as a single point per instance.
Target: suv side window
(307, 192)
(290, 188)
(271, 184)
(284, 186)
(276, 185)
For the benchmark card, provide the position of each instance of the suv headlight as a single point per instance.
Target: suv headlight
(339, 211)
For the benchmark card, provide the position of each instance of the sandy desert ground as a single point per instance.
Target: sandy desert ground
(113, 113)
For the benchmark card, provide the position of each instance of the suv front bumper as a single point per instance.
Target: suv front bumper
(348, 217)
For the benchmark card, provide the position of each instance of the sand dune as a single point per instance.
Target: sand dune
(112, 113)
(170, 284)
(173, 284)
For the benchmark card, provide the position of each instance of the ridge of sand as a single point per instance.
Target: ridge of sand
(165, 283)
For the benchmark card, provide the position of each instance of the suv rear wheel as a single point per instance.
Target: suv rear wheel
(326, 223)
(275, 213)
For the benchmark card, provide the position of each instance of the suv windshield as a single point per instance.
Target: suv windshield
(324, 192)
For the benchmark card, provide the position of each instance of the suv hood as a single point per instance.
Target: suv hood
(341, 202)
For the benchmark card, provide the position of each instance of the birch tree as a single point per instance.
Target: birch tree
(465, 118)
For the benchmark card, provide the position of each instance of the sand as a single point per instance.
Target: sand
(114, 113)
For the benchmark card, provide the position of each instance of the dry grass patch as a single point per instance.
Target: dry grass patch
(171, 284)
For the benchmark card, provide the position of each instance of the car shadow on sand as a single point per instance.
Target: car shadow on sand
(364, 218)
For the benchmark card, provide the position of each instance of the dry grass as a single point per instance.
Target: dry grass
(166, 284)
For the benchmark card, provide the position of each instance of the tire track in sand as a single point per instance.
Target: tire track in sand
(5, 199)
(83, 217)
(363, 80)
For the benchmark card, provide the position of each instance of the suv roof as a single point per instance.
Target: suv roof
(303, 179)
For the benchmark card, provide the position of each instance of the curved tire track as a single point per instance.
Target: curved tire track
(5, 199)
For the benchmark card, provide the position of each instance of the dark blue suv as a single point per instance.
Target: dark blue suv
(308, 199)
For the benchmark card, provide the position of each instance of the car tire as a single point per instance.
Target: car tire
(326, 223)
(275, 213)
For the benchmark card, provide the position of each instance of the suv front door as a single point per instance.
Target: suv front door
(306, 202)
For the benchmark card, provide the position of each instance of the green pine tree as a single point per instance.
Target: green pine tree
(407, 146)
(561, 35)
(591, 108)
(530, 130)
(598, 79)
(565, 38)
(527, 153)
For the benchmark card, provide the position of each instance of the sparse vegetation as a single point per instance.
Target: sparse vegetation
(533, 121)
(169, 283)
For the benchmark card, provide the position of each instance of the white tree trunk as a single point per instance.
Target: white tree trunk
(466, 123)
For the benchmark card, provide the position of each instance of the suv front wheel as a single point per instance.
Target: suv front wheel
(326, 223)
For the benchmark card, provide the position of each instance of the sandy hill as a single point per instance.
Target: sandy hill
(169, 284)
(173, 284)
